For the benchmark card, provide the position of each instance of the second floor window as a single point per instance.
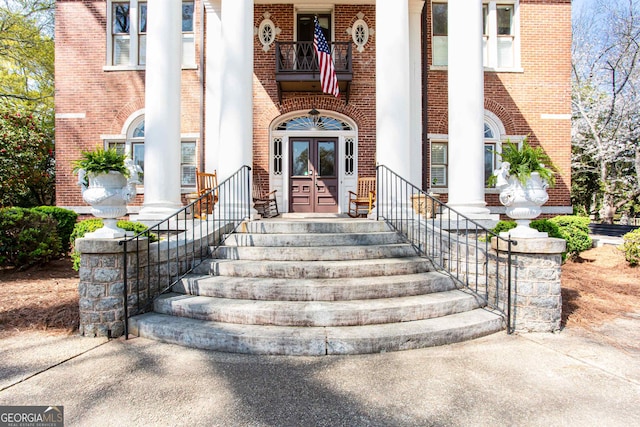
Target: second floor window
(127, 42)
(499, 39)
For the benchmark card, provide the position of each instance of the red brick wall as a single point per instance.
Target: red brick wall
(361, 107)
(107, 98)
(519, 99)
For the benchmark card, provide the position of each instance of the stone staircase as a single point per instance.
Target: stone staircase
(316, 287)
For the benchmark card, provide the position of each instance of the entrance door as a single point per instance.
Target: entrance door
(314, 175)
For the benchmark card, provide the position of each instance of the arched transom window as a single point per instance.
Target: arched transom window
(313, 121)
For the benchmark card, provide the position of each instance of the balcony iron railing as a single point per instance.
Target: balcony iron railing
(297, 67)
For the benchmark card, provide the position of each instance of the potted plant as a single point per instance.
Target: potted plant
(107, 180)
(523, 178)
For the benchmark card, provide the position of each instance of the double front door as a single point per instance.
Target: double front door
(313, 181)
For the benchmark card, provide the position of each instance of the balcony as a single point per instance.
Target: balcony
(297, 67)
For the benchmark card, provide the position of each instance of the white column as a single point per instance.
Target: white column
(393, 96)
(213, 85)
(415, 34)
(466, 108)
(162, 110)
(236, 115)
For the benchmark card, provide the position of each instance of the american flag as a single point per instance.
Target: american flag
(328, 79)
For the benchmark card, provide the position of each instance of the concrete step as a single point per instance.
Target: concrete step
(316, 341)
(317, 313)
(342, 289)
(305, 226)
(313, 239)
(315, 270)
(315, 253)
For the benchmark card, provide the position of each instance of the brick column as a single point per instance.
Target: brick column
(101, 286)
(535, 281)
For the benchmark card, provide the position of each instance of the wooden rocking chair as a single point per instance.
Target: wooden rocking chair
(364, 197)
(265, 203)
(205, 182)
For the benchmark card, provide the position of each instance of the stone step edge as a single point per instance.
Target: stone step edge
(317, 341)
(315, 269)
(318, 313)
(331, 289)
(314, 253)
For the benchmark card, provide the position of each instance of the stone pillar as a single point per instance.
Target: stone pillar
(101, 286)
(162, 110)
(213, 85)
(535, 281)
(236, 115)
(466, 109)
(393, 88)
(415, 141)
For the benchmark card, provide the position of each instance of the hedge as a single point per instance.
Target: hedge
(631, 247)
(27, 237)
(90, 225)
(66, 220)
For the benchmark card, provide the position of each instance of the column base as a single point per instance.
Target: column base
(156, 212)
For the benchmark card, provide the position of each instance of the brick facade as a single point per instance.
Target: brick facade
(100, 101)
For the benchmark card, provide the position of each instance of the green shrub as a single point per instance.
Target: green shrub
(27, 237)
(547, 226)
(542, 225)
(90, 225)
(575, 230)
(66, 221)
(631, 247)
(504, 226)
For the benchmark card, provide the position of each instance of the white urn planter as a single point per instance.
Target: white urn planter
(523, 203)
(108, 195)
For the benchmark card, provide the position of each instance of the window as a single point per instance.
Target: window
(127, 44)
(133, 145)
(494, 137)
(440, 31)
(499, 34)
(439, 164)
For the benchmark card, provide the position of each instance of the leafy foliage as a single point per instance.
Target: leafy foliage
(101, 161)
(27, 54)
(575, 230)
(90, 225)
(27, 237)
(631, 247)
(66, 220)
(525, 160)
(27, 176)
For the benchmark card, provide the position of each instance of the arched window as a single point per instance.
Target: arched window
(494, 135)
(313, 121)
(131, 142)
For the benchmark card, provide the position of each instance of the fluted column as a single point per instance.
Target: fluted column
(466, 108)
(162, 110)
(236, 114)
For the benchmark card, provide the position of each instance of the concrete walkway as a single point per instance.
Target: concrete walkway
(572, 378)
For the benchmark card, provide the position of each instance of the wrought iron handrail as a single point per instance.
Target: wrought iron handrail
(152, 267)
(301, 57)
(457, 245)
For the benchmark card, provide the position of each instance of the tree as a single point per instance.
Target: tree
(605, 104)
(27, 55)
(26, 161)
(26, 102)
